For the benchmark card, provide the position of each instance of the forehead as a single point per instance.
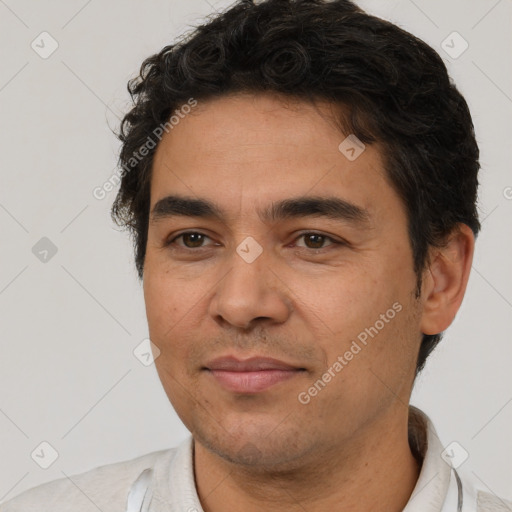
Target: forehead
(244, 122)
(248, 150)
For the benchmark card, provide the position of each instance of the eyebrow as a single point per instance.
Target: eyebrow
(304, 206)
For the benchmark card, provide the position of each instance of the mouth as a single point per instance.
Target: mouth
(252, 375)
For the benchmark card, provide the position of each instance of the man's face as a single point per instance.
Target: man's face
(304, 289)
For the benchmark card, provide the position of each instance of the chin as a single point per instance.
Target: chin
(257, 444)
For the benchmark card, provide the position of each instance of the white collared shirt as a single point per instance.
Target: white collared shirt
(172, 485)
(436, 489)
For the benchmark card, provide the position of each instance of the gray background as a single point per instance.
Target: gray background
(68, 375)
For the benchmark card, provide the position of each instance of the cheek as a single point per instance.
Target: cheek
(177, 314)
(345, 306)
(161, 305)
(171, 300)
(346, 301)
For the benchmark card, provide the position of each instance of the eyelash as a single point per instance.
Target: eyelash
(334, 242)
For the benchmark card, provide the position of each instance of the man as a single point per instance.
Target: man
(300, 179)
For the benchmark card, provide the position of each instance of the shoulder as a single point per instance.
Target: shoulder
(104, 488)
(490, 503)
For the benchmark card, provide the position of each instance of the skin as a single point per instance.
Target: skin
(305, 306)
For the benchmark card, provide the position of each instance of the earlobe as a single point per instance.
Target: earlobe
(445, 280)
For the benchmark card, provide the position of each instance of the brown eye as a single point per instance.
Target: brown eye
(192, 240)
(314, 241)
(188, 240)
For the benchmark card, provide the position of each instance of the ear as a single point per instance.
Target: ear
(445, 280)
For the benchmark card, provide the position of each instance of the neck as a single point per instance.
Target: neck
(375, 471)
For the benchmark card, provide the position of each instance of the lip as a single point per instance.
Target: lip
(252, 364)
(251, 375)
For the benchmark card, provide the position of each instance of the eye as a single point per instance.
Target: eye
(190, 239)
(316, 240)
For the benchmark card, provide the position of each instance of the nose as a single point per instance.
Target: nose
(250, 294)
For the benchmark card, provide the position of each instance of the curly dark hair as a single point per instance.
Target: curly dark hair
(394, 88)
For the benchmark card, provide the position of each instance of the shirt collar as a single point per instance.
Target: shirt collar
(430, 492)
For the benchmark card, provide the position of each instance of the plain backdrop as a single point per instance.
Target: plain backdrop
(69, 325)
